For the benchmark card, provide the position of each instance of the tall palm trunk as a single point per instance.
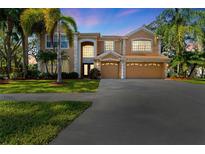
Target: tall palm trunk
(8, 44)
(25, 54)
(59, 63)
(202, 72)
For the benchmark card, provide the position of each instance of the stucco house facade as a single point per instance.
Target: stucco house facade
(134, 55)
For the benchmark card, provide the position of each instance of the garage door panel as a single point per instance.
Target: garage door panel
(110, 70)
(144, 70)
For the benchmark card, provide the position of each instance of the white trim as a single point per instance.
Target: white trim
(76, 62)
(57, 38)
(123, 69)
(107, 53)
(159, 47)
(139, 29)
(79, 51)
(124, 47)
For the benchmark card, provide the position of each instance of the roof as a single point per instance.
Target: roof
(107, 53)
(160, 58)
(139, 29)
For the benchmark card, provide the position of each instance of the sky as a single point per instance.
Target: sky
(111, 21)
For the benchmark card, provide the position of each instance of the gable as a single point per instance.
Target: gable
(110, 56)
(141, 32)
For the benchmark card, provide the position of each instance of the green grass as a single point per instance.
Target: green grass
(195, 81)
(36, 122)
(46, 86)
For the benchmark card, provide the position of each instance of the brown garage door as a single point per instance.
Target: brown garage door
(144, 70)
(110, 70)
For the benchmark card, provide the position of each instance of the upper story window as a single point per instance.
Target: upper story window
(88, 51)
(109, 45)
(141, 45)
(64, 41)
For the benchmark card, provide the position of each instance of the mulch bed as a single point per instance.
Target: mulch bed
(177, 78)
(4, 81)
(57, 84)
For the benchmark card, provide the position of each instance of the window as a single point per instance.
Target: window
(141, 45)
(64, 41)
(48, 41)
(109, 45)
(88, 51)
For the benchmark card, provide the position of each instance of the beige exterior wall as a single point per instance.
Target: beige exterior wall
(68, 63)
(142, 34)
(112, 68)
(117, 44)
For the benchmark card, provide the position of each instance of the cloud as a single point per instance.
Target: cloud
(89, 20)
(127, 12)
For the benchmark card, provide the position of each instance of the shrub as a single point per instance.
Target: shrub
(95, 73)
(64, 75)
(45, 75)
(73, 75)
(1, 77)
(33, 74)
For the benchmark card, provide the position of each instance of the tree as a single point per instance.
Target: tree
(54, 20)
(9, 19)
(176, 27)
(44, 56)
(48, 20)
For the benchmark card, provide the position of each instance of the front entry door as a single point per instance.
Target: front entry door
(86, 69)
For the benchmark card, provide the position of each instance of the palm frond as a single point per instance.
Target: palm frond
(69, 32)
(69, 20)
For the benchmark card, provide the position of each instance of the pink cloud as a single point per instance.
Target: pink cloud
(88, 20)
(91, 20)
(127, 12)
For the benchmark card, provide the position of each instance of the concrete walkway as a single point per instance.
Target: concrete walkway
(49, 97)
(141, 112)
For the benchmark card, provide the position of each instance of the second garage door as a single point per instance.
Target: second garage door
(110, 70)
(144, 70)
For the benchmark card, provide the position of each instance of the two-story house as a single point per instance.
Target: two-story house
(135, 55)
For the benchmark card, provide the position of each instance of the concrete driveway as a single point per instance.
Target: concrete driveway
(141, 112)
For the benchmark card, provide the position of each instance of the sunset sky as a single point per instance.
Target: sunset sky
(111, 21)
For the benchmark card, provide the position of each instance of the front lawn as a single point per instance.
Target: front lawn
(48, 86)
(36, 122)
(195, 81)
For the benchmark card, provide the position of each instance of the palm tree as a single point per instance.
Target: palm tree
(54, 20)
(49, 20)
(175, 26)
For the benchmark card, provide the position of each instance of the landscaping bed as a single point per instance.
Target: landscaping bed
(189, 80)
(49, 86)
(36, 122)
